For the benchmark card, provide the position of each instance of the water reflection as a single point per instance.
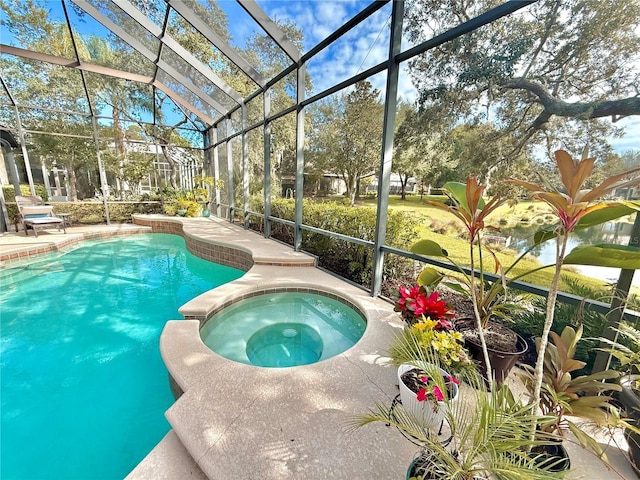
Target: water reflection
(617, 233)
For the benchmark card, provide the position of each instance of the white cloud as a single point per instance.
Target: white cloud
(363, 47)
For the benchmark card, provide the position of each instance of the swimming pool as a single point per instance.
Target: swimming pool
(84, 388)
(283, 329)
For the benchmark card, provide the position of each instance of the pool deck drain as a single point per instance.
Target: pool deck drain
(237, 421)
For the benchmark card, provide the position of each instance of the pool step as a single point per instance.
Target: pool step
(168, 460)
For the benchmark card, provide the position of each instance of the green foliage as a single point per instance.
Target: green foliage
(347, 259)
(490, 432)
(581, 396)
(420, 151)
(543, 75)
(626, 349)
(93, 212)
(529, 321)
(415, 342)
(346, 139)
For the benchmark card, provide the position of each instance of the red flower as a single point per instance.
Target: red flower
(452, 379)
(414, 303)
(436, 309)
(444, 324)
(438, 393)
(422, 394)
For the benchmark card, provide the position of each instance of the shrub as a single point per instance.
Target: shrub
(347, 259)
(530, 321)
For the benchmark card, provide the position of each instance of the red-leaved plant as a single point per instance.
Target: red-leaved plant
(415, 304)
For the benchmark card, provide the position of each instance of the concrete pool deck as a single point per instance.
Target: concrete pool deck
(237, 421)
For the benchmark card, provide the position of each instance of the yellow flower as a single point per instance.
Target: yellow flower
(426, 324)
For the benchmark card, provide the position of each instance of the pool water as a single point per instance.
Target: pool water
(283, 329)
(84, 389)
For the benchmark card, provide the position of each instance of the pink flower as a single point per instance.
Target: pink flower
(453, 380)
(438, 393)
(424, 380)
(422, 394)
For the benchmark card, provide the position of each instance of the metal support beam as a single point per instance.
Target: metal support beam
(271, 28)
(213, 133)
(617, 304)
(267, 162)
(104, 184)
(231, 187)
(245, 168)
(208, 32)
(182, 52)
(388, 130)
(297, 242)
(487, 17)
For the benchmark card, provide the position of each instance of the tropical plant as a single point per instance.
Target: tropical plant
(423, 339)
(576, 208)
(626, 349)
(564, 395)
(489, 437)
(425, 385)
(488, 298)
(415, 304)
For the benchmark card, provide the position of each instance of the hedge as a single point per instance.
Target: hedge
(347, 259)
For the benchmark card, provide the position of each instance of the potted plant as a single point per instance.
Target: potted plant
(496, 357)
(577, 207)
(564, 395)
(428, 332)
(200, 193)
(416, 303)
(489, 437)
(626, 349)
(424, 396)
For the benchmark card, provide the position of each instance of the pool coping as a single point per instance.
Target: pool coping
(242, 421)
(16, 248)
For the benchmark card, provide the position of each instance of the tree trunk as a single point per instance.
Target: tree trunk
(119, 146)
(73, 188)
(172, 166)
(403, 182)
(351, 189)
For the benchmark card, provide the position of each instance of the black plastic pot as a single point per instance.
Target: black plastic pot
(552, 455)
(501, 362)
(423, 465)
(630, 401)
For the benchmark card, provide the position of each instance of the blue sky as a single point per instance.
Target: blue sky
(365, 46)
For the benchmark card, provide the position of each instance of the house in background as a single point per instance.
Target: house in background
(395, 186)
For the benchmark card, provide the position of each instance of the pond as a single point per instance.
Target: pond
(611, 232)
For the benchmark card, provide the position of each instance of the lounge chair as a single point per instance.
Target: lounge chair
(35, 214)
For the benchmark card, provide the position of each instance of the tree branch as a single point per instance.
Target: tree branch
(551, 20)
(580, 110)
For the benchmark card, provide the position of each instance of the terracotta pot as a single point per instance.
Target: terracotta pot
(426, 413)
(501, 362)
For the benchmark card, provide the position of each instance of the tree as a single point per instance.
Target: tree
(347, 136)
(480, 149)
(547, 74)
(262, 50)
(420, 151)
